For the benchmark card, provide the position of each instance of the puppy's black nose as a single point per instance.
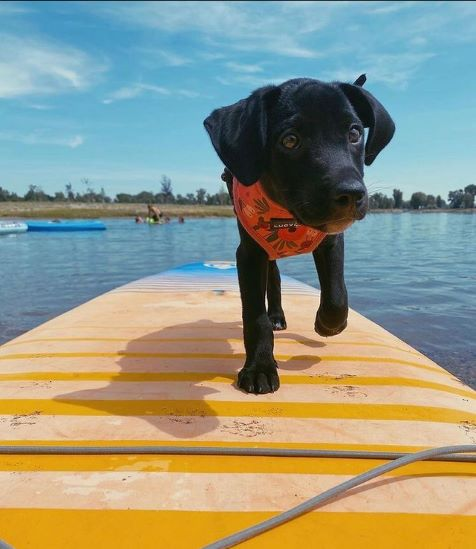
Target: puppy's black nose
(349, 193)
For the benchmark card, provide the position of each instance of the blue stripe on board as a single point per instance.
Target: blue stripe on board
(207, 276)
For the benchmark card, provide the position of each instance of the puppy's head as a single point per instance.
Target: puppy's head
(304, 140)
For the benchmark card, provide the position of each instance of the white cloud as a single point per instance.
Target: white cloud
(41, 137)
(394, 70)
(246, 26)
(418, 41)
(224, 81)
(40, 107)
(76, 141)
(242, 67)
(31, 67)
(13, 8)
(301, 29)
(338, 34)
(129, 92)
(384, 8)
(123, 93)
(165, 57)
(211, 56)
(188, 93)
(156, 89)
(438, 23)
(253, 80)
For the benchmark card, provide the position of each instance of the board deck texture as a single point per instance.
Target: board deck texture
(154, 362)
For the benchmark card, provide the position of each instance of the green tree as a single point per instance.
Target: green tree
(468, 200)
(69, 192)
(123, 198)
(36, 194)
(471, 189)
(430, 201)
(223, 196)
(7, 196)
(145, 197)
(397, 198)
(380, 201)
(104, 197)
(418, 200)
(166, 190)
(89, 193)
(201, 193)
(455, 198)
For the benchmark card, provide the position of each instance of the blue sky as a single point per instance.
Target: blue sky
(117, 92)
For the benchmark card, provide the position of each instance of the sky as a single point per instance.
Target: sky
(116, 92)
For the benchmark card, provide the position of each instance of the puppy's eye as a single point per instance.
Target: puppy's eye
(290, 141)
(355, 134)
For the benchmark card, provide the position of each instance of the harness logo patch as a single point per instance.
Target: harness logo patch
(289, 223)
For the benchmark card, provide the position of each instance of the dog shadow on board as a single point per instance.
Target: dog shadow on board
(176, 380)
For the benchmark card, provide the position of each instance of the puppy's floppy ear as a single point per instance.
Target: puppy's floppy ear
(239, 133)
(373, 116)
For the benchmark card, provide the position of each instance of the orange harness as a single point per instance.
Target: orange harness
(270, 225)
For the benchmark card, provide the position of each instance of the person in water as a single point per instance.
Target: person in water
(154, 213)
(139, 219)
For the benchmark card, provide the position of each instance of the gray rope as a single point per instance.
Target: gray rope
(310, 504)
(216, 451)
(399, 460)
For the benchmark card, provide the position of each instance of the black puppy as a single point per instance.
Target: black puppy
(304, 142)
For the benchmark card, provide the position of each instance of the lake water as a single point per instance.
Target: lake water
(414, 274)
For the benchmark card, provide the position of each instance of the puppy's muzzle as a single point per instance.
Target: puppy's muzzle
(350, 199)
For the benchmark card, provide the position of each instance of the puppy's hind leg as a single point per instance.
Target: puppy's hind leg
(273, 293)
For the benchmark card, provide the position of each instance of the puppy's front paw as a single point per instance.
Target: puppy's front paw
(327, 326)
(259, 378)
(278, 321)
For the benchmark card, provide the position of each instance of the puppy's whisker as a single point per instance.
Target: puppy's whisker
(372, 190)
(377, 187)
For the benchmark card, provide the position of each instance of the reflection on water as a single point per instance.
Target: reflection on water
(414, 274)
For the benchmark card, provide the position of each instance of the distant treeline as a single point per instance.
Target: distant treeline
(90, 195)
(461, 198)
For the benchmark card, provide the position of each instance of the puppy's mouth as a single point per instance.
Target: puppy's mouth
(334, 227)
(331, 226)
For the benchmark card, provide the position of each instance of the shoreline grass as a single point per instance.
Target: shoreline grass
(82, 210)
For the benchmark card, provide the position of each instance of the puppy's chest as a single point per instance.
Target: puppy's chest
(270, 225)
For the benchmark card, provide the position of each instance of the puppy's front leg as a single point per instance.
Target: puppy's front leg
(259, 374)
(273, 292)
(331, 317)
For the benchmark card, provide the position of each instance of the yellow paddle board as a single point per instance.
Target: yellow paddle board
(153, 364)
